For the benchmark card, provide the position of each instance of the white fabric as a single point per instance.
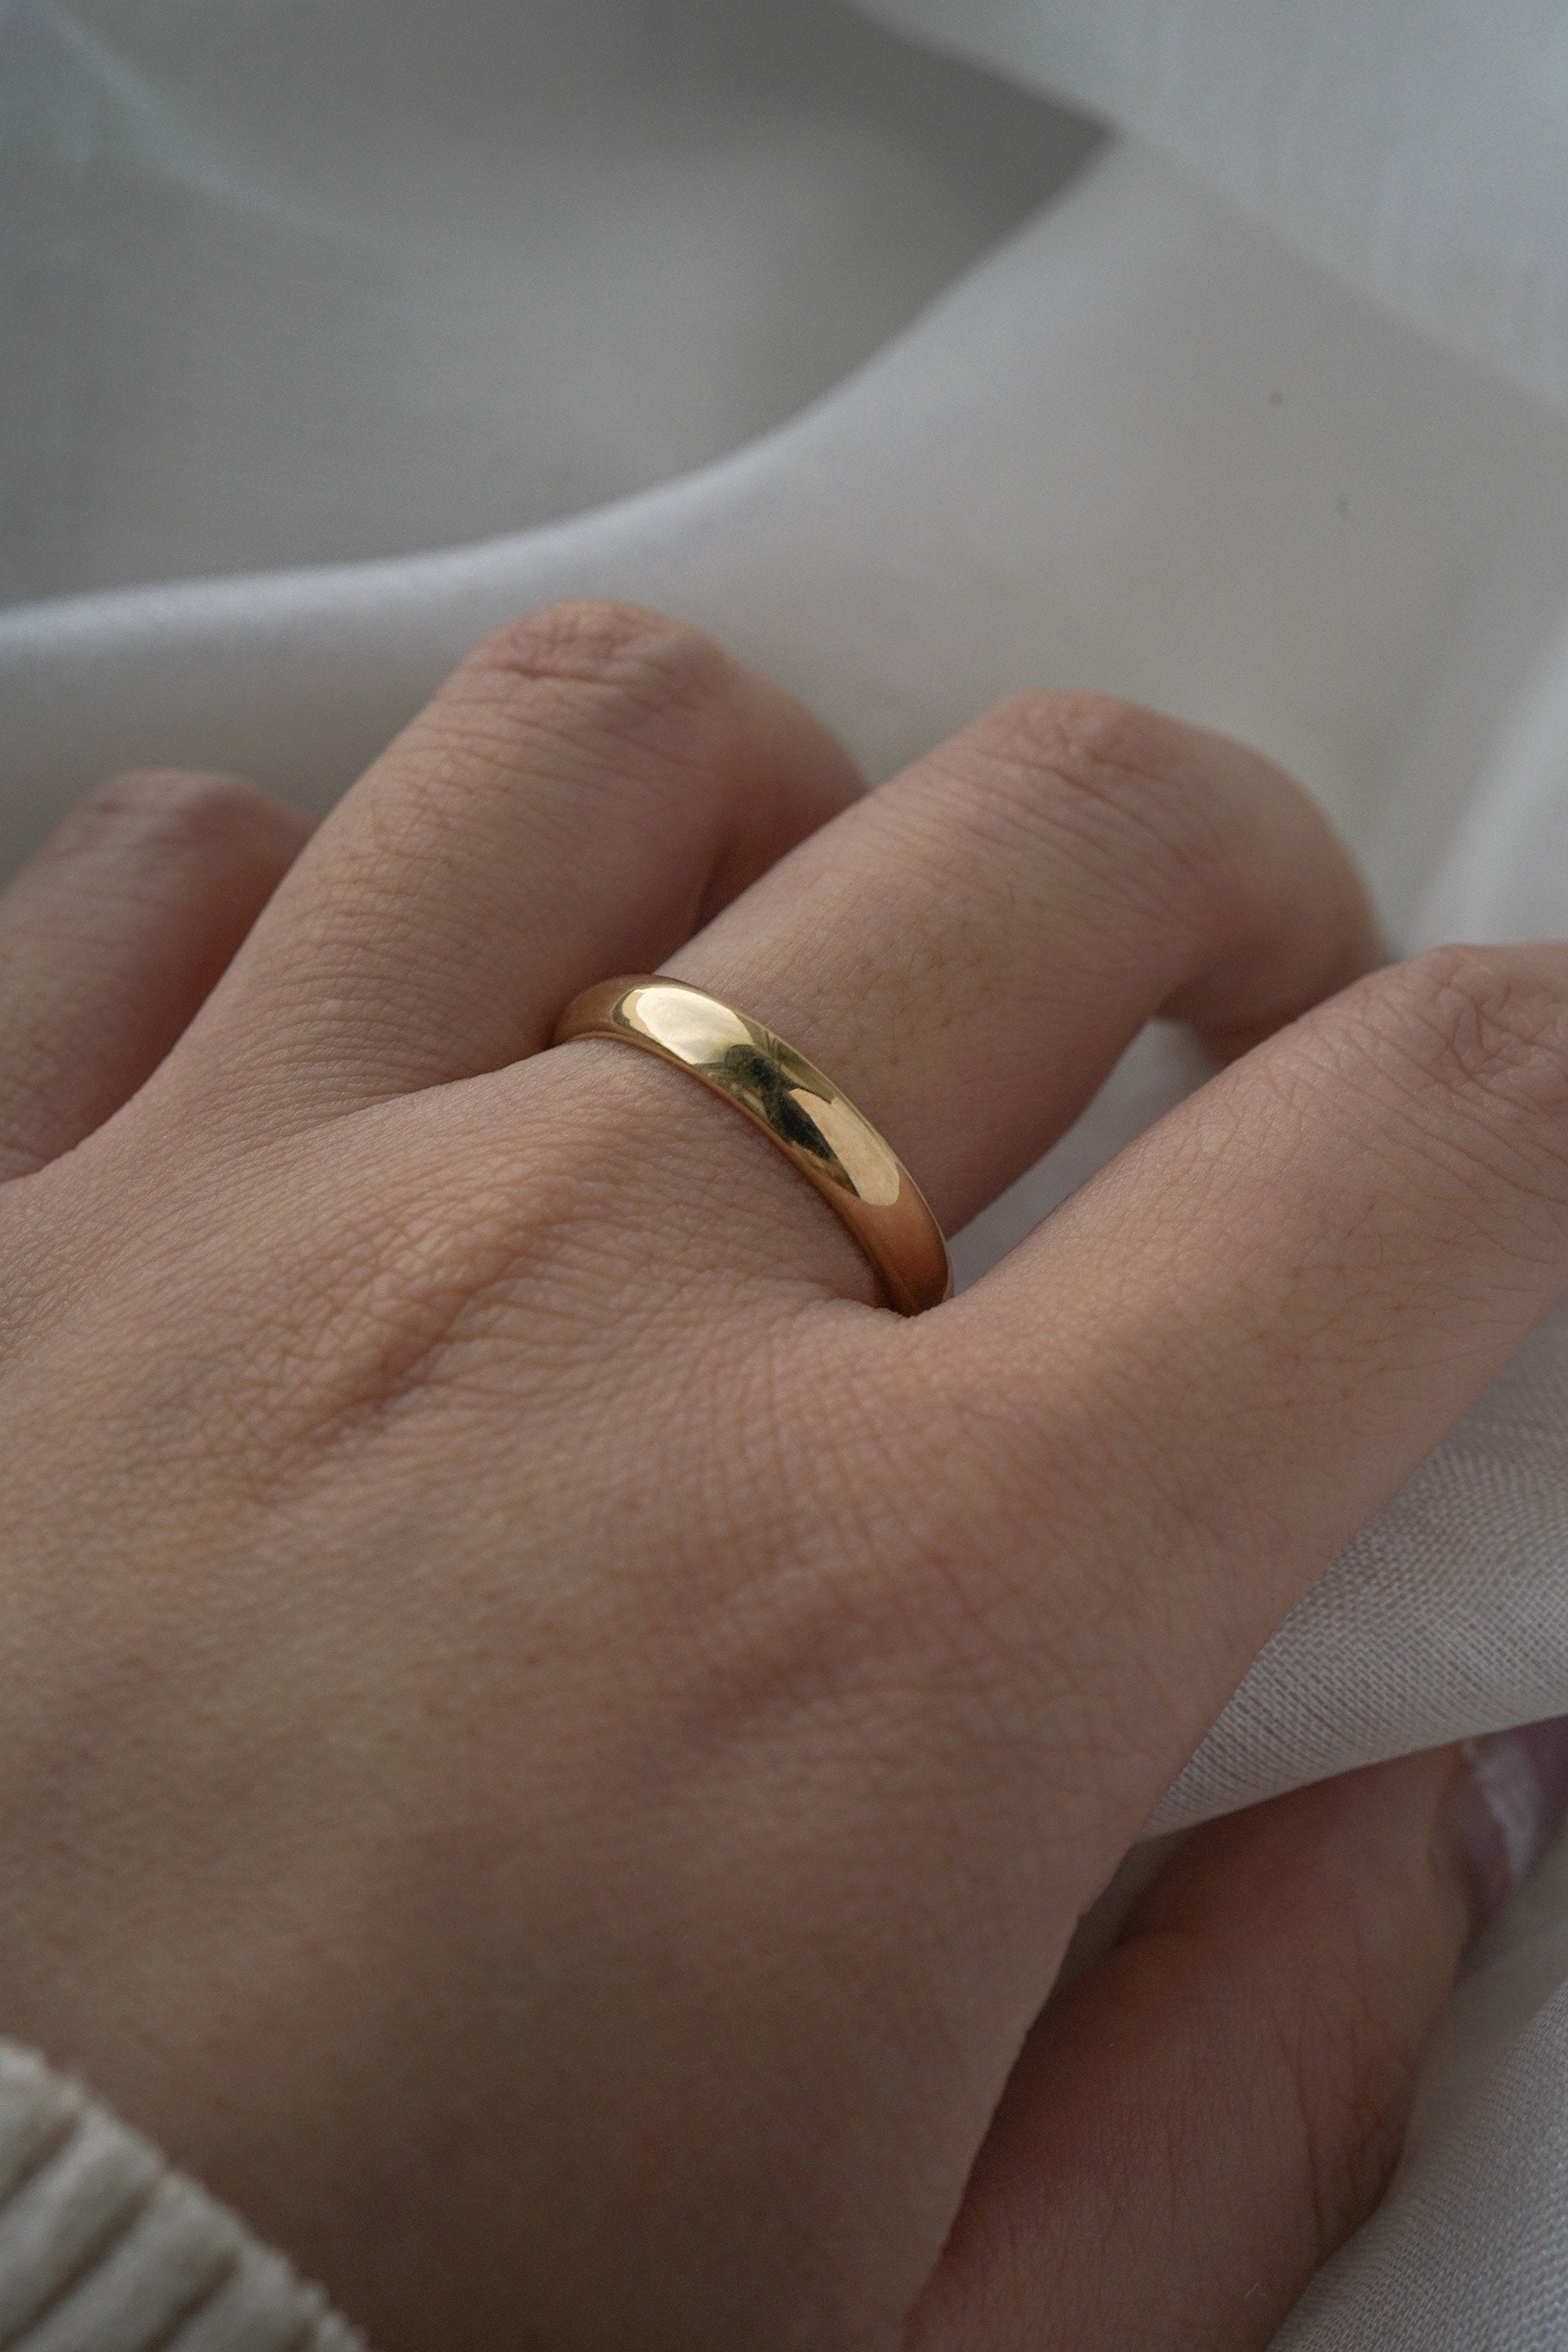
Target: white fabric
(1418, 148)
(1263, 417)
(104, 2248)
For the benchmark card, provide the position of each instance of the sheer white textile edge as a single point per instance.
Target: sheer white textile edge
(1143, 446)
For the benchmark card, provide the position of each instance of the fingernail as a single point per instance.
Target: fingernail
(1501, 1810)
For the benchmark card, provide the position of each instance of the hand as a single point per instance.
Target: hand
(552, 1748)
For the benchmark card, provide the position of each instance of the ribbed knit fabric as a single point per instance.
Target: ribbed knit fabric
(104, 2248)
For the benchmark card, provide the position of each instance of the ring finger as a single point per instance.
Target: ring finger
(968, 950)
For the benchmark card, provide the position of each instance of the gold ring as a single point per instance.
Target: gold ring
(810, 1118)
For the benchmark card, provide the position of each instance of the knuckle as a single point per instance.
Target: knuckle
(1487, 1027)
(1126, 783)
(1084, 727)
(577, 693)
(646, 658)
(1484, 1017)
(168, 809)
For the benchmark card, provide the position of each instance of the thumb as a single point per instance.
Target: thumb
(1201, 2119)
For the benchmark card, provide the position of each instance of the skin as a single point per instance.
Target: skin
(552, 1747)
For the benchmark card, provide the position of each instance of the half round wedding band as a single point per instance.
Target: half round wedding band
(812, 1120)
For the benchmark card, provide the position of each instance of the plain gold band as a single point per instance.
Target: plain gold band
(812, 1120)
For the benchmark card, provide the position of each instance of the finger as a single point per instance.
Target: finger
(1198, 2123)
(585, 789)
(1190, 1387)
(969, 950)
(114, 935)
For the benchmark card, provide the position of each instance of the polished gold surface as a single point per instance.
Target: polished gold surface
(793, 1101)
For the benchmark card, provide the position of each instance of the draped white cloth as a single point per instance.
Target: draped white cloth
(860, 358)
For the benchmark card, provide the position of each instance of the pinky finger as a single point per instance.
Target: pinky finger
(1208, 2112)
(111, 939)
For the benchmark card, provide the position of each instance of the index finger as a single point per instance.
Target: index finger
(1169, 1407)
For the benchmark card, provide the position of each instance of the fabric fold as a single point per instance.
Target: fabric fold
(1416, 150)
